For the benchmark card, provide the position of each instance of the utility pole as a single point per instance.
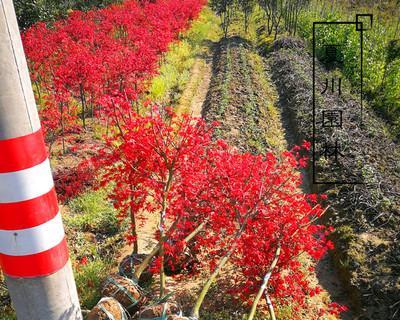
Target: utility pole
(33, 250)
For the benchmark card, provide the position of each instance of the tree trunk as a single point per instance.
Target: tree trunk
(161, 255)
(162, 234)
(83, 106)
(264, 284)
(207, 285)
(135, 249)
(62, 127)
(270, 307)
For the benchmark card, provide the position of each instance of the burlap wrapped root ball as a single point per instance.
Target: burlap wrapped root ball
(177, 317)
(160, 311)
(108, 309)
(125, 291)
(129, 264)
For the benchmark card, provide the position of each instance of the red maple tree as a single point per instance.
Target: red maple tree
(98, 63)
(241, 208)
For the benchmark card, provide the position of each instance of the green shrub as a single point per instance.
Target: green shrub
(393, 51)
(92, 212)
(174, 73)
(8, 316)
(158, 87)
(352, 55)
(375, 41)
(388, 99)
(380, 69)
(31, 11)
(6, 311)
(374, 58)
(308, 17)
(88, 278)
(205, 28)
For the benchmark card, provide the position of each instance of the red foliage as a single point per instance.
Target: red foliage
(102, 59)
(251, 203)
(99, 62)
(70, 182)
(152, 154)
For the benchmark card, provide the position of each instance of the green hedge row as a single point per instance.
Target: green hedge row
(32, 11)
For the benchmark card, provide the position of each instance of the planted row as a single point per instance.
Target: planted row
(223, 205)
(98, 63)
(365, 215)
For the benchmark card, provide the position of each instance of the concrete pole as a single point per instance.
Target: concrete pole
(33, 252)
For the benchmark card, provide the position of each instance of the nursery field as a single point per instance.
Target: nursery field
(181, 138)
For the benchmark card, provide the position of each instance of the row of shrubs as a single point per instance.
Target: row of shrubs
(241, 100)
(32, 11)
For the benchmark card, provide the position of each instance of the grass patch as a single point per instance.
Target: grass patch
(88, 278)
(174, 72)
(97, 236)
(91, 212)
(6, 311)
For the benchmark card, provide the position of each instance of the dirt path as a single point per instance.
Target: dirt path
(195, 93)
(328, 279)
(185, 289)
(198, 100)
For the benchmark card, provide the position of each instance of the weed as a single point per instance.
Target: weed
(92, 212)
(88, 278)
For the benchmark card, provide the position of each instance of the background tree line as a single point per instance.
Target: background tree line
(276, 13)
(31, 11)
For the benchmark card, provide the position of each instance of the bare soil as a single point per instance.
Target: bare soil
(366, 216)
(195, 92)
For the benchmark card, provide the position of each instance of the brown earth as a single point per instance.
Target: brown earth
(367, 215)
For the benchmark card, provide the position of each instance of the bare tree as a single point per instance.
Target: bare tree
(247, 7)
(278, 11)
(225, 9)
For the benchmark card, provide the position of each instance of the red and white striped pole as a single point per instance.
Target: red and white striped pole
(33, 251)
